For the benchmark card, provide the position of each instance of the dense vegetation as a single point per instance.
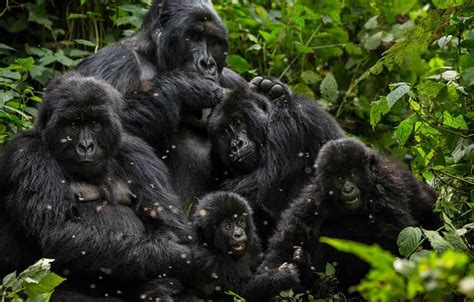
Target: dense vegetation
(398, 74)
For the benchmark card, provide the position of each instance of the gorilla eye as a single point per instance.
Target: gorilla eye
(73, 126)
(224, 133)
(241, 222)
(227, 226)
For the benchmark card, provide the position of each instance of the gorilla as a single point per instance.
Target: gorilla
(179, 35)
(78, 189)
(265, 142)
(230, 252)
(355, 194)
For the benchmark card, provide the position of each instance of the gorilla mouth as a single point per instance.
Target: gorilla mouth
(239, 247)
(242, 156)
(355, 199)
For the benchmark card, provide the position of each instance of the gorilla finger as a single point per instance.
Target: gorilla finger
(253, 87)
(276, 91)
(266, 85)
(283, 266)
(256, 81)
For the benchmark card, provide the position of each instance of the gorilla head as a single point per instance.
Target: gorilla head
(344, 166)
(238, 127)
(80, 125)
(189, 35)
(224, 222)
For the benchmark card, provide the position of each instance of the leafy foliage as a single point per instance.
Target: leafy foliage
(36, 283)
(426, 275)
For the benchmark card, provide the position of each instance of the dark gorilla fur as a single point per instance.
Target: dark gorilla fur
(384, 198)
(284, 136)
(164, 107)
(220, 269)
(109, 223)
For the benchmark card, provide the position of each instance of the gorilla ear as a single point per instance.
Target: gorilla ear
(44, 115)
(373, 161)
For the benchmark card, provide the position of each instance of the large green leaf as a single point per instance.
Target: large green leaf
(408, 240)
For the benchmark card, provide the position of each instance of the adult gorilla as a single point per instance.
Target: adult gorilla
(266, 147)
(80, 190)
(184, 35)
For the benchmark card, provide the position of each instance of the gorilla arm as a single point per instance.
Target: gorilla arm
(38, 196)
(155, 113)
(150, 182)
(301, 218)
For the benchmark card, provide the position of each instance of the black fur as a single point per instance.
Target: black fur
(219, 268)
(135, 232)
(390, 199)
(286, 135)
(184, 35)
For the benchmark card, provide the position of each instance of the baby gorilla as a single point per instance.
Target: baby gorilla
(231, 251)
(356, 194)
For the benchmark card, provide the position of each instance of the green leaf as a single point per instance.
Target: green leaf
(373, 41)
(454, 122)
(4, 46)
(447, 3)
(310, 77)
(26, 63)
(302, 88)
(408, 240)
(377, 110)
(468, 76)
(371, 23)
(437, 242)
(404, 129)
(9, 280)
(428, 90)
(330, 269)
(44, 286)
(239, 64)
(397, 94)
(84, 42)
(374, 255)
(328, 88)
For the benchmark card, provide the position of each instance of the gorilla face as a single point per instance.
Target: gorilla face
(234, 231)
(80, 125)
(224, 224)
(343, 167)
(237, 149)
(237, 127)
(189, 35)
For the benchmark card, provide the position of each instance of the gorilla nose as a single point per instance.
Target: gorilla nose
(238, 234)
(348, 187)
(85, 148)
(236, 145)
(207, 66)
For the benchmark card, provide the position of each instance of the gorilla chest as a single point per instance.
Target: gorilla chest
(107, 207)
(190, 164)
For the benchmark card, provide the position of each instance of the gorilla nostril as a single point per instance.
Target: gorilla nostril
(240, 143)
(348, 187)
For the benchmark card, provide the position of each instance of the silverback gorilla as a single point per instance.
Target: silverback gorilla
(231, 252)
(356, 194)
(78, 189)
(177, 35)
(266, 144)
